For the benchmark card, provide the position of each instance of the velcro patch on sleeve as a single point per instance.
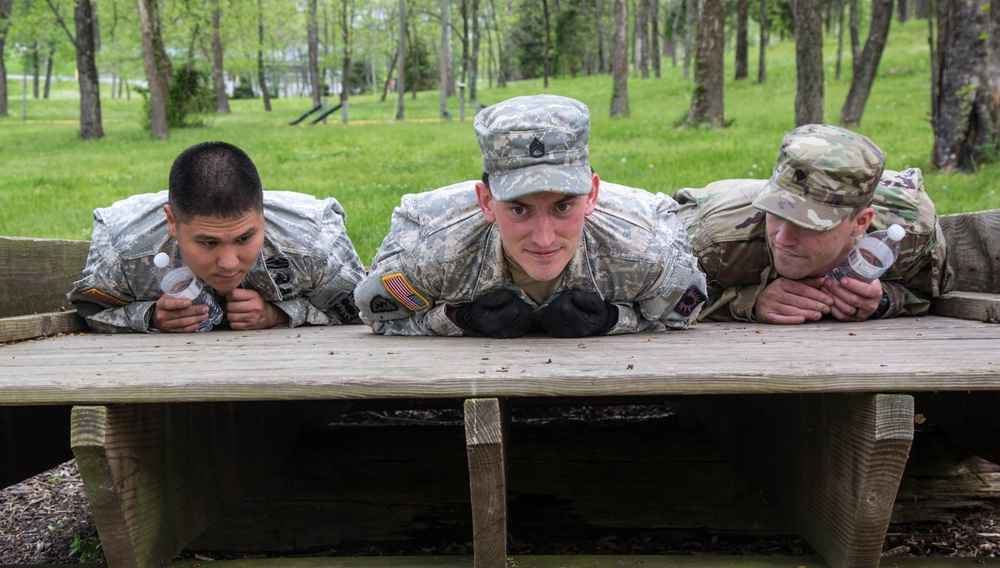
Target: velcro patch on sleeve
(400, 289)
(692, 298)
(106, 300)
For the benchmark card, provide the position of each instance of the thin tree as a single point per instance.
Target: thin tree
(855, 36)
(961, 113)
(347, 13)
(148, 11)
(690, 25)
(840, 37)
(619, 62)
(90, 88)
(6, 6)
(654, 47)
(444, 61)
(546, 69)
(261, 78)
(741, 41)
(400, 80)
(765, 37)
(642, 38)
(474, 54)
(218, 53)
(808, 61)
(861, 83)
(312, 42)
(706, 100)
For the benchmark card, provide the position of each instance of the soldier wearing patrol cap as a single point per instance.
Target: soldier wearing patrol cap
(270, 257)
(540, 244)
(767, 246)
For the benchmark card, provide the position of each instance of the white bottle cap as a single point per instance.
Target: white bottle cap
(896, 232)
(161, 260)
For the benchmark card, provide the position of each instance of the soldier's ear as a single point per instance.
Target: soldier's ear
(862, 220)
(486, 201)
(171, 222)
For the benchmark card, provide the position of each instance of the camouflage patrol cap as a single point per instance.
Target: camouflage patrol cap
(823, 172)
(534, 144)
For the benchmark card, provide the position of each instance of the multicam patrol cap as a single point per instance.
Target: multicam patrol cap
(534, 144)
(822, 173)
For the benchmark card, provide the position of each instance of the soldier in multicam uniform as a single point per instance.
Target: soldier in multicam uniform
(271, 257)
(766, 246)
(540, 244)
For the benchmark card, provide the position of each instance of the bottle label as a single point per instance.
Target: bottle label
(871, 259)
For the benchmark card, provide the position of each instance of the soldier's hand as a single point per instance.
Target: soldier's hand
(501, 313)
(245, 309)
(177, 315)
(853, 300)
(577, 313)
(786, 301)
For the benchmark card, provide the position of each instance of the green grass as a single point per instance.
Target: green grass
(50, 181)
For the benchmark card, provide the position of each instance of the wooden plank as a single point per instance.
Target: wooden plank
(974, 249)
(36, 274)
(15, 328)
(32, 439)
(485, 433)
(830, 463)
(350, 362)
(978, 306)
(157, 475)
(968, 420)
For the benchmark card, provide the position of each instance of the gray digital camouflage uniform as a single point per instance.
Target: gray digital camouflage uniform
(441, 252)
(307, 266)
(728, 234)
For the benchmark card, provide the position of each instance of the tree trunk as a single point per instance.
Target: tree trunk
(602, 64)
(855, 37)
(654, 37)
(619, 62)
(5, 9)
(346, 33)
(401, 78)
(922, 9)
(90, 88)
(444, 61)
(218, 78)
(503, 61)
(474, 59)
(861, 83)
(147, 11)
(261, 80)
(962, 126)
(706, 100)
(808, 61)
(312, 40)
(642, 37)
(48, 73)
(840, 38)
(690, 25)
(741, 41)
(548, 44)
(904, 11)
(765, 36)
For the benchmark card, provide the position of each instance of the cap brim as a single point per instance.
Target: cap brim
(799, 210)
(550, 178)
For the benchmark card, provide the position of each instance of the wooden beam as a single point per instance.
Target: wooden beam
(16, 328)
(485, 434)
(831, 464)
(36, 274)
(977, 306)
(157, 475)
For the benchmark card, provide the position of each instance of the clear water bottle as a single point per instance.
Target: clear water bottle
(181, 282)
(872, 257)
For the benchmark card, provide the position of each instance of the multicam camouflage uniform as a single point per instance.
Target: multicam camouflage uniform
(441, 252)
(728, 235)
(307, 267)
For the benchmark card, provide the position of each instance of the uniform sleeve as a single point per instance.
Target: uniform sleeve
(334, 273)
(399, 296)
(677, 291)
(103, 297)
(916, 280)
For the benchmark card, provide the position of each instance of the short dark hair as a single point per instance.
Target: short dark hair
(214, 179)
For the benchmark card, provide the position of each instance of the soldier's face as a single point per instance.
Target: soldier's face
(539, 232)
(802, 253)
(220, 251)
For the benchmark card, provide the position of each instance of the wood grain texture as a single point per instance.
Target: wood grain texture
(831, 464)
(485, 429)
(349, 362)
(978, 306)
(33, 326)
(36, 274)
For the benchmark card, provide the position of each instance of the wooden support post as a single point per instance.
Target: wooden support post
(830, 463)
(485, 440)
(157, 475)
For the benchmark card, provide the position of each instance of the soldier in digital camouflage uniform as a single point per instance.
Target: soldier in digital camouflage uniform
(271, 257)
(539, 245)
(767, 245)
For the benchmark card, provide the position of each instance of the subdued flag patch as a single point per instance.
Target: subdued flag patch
(400, 289)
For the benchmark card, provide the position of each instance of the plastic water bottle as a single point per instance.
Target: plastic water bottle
(180, 282)
(872, 257)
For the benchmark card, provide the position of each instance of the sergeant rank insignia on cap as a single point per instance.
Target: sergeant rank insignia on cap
(536, 149)
(400, 289)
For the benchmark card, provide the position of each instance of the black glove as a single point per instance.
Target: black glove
(501, 313)
(576, 313)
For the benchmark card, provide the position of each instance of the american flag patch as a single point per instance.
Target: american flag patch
(397, 285)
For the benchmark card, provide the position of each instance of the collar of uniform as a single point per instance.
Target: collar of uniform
(260, 279)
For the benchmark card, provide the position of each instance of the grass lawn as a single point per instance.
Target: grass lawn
(50, 180)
